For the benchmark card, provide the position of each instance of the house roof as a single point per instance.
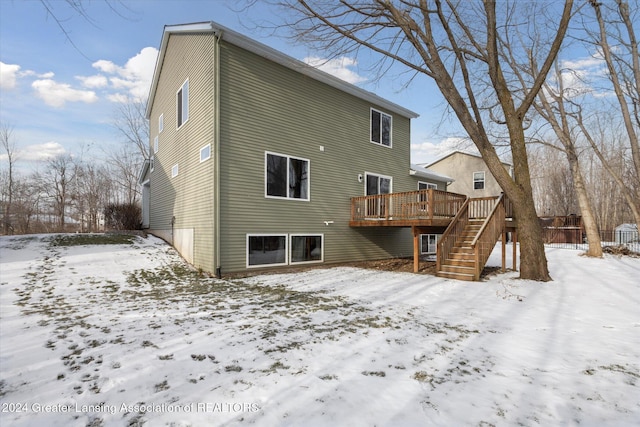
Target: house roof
(423, 172)
(460, 152)
(271, 54)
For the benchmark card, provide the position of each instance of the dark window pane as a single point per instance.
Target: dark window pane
(375, 126)
(265, 250)
(385, 186)
(276, 175)
(298, 179)
(386, 130)
(306, 248)
(372, 185)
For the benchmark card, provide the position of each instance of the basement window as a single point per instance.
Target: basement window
(266, 250)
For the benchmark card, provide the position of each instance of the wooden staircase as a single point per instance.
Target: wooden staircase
(467, 243)
(460, 263)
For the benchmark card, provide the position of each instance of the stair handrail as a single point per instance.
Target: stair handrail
(481, 258)
(441, 254)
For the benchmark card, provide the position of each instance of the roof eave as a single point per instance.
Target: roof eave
(271, 54)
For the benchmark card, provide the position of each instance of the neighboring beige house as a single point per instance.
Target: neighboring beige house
(470, 174)
(256, 157)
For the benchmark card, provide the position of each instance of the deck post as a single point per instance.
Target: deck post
(504, 249)
(416, 249)
(514, 241)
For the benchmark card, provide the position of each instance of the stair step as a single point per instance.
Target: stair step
(457, 276)
(460, 262)
(461, 257)
(457, 269)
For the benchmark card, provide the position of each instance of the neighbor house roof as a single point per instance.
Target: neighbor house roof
(460, 152)
(271, 54)
(423, 172)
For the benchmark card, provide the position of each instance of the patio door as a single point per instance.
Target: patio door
(377, 184)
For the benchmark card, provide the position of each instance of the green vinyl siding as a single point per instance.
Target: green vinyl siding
(189, 196)
(266, 107)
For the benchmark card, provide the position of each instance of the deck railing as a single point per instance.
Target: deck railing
(422, 204)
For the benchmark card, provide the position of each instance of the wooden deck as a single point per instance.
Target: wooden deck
(410, 209)
(423, 208)
(481, 221)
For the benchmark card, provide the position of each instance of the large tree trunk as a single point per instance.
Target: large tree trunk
(588, 219)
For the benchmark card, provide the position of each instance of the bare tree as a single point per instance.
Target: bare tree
(132, 125)
(623, 66)
(56, 182)
(9, 145)
(553, 108)
(457, 44)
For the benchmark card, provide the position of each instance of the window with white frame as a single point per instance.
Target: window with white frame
(428, 243)
(205, 153)
(174, 171)
(160, 123)
(152, 163)
(182, 103)
(427, 185)
(155, 144)
(266, 250)
(286, 177)
(306, 248)
(478, 180)
(424, 197)
(380, 128)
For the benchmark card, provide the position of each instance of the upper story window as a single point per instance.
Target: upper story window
(182, 102)
(155, 144)
(152, 163)
(478, 180)
(380, 128)
(286, 177)
(174, 171)
(160, 123)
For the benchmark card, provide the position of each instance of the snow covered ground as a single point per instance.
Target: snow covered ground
(126, 334)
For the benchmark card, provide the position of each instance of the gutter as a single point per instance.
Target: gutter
(216, 157)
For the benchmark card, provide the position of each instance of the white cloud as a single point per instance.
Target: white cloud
(94, 82)
(57, 94)
(8, 75)
(41, 152)
(134, 77)
(338, 67)
(579, 75)
(428, 152)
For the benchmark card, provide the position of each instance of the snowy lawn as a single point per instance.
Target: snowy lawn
(126, 334)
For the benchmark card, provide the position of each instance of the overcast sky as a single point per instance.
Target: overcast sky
(60, 91)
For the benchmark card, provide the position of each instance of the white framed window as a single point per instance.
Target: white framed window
(205, 153)
(152, 163)
(374, 185)
(428, 243)
(182, 103)
(286, 177)
(155, 144)
(161, 123)
(427, 185)
(478, 180)
(174, 171)
(306, 248)
(266, 250)
(377, 184)
(381, 128)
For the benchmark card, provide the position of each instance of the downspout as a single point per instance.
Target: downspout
(216, 157)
